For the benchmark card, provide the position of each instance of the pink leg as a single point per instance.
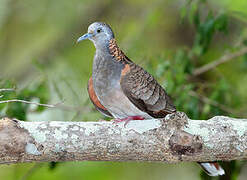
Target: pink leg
(128, 119)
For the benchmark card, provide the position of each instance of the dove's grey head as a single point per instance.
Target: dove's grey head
(99, 33)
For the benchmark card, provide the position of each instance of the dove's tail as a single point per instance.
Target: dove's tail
(212, 168)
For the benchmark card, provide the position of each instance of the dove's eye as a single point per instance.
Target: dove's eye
(99, 30)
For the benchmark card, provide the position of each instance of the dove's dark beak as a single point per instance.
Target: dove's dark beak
(85, 36)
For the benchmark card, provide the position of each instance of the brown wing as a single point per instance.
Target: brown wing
(93, 97)
(145, 92)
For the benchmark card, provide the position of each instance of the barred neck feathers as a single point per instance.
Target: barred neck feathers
(117, 53)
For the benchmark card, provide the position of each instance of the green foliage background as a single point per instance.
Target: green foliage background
(39, 57)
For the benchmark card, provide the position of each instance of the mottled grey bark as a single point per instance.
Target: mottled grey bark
(168, 140)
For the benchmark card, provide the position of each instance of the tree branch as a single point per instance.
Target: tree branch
(219, 61)
(220, 138)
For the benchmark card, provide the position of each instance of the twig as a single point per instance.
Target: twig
(31, 171)
(57, 105)
(219, 61)
(28, 102)
(7, 89)
(212, 102)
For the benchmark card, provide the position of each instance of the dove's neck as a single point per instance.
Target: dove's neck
(106, 72)
(102, 46)
(106, 63)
